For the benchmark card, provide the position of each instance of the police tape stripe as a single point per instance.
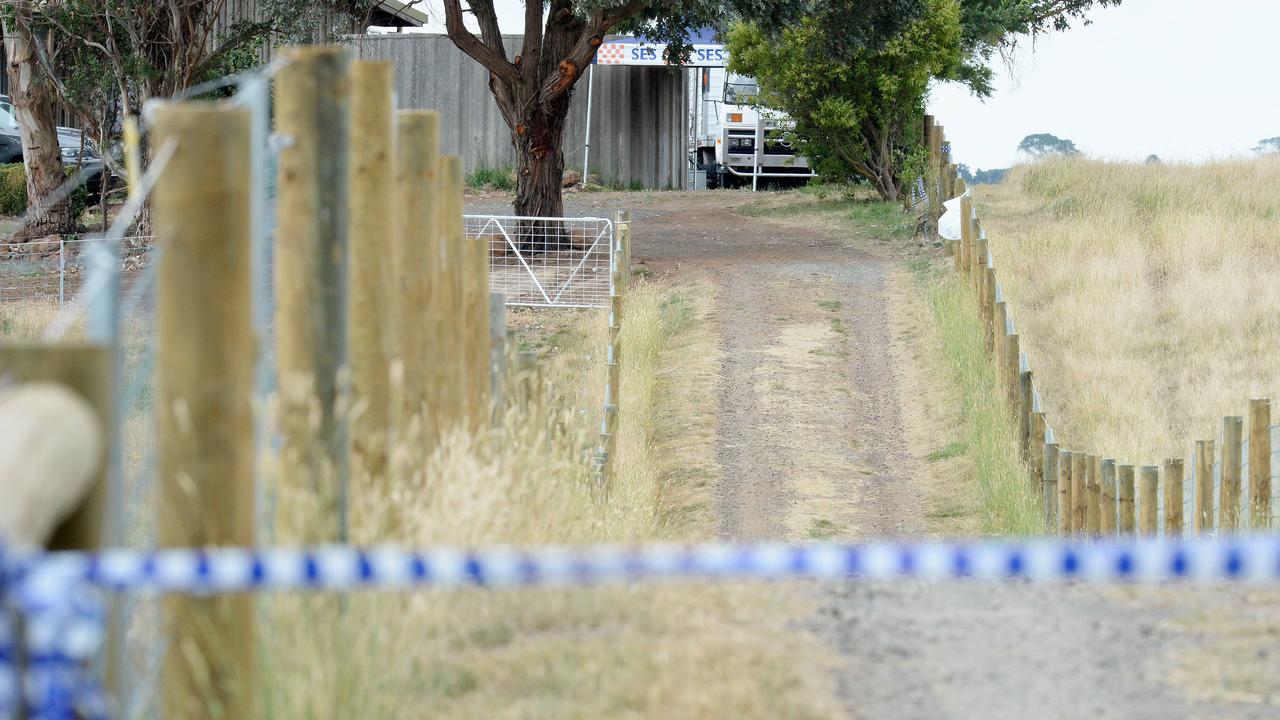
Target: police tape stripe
(225, 570)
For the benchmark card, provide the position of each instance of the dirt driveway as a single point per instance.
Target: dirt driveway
(822, 433)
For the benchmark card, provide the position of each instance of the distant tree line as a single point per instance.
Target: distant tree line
(981, 177)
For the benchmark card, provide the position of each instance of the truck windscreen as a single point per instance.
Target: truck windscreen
(740, 90)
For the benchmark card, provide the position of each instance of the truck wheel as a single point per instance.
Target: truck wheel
(713, 180)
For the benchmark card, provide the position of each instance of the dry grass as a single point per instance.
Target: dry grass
(1145, 295)
(680, 651)
(984, 442)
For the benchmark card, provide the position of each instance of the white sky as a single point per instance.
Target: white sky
(510, 15)
(1184, 79)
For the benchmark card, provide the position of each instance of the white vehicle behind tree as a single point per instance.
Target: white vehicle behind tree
(738, 143)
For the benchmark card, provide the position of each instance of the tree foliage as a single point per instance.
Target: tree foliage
(1040, 145)
(1268, 145)
(533, 88)
(858, 105)
(981, 177)
(854, 112)
(110, 56)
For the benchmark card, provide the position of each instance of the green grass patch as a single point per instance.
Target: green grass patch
(830, 305)
(884, 220)
(492, 179)
(823, 352)
(1006, 501)
(822, 528)
(949, 512)
(952, 449)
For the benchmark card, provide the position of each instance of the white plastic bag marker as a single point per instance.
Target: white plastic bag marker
(949, 223)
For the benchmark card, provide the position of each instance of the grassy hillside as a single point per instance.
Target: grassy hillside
(1146, 295)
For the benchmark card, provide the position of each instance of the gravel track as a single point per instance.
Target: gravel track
(811, 443)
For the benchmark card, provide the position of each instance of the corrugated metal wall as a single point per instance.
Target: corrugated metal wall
(638, 124)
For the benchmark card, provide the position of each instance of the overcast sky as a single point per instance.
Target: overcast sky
(1184, 79)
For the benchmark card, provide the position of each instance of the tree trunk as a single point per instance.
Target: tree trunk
(880, 144)
(33, 104)
(539, 146)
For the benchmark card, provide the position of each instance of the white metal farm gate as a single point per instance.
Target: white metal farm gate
(547, 262)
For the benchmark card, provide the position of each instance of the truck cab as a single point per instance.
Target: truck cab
(730, 125)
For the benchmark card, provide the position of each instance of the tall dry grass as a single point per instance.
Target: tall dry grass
(1145, 295)
(680, 651)
(1006, 503)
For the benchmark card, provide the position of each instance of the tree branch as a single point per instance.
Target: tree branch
(487, 17)
(571, 67)
(495, 63)
(532, 46)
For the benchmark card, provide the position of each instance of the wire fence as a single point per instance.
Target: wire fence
(547, 262)
(52, 271)
(1085, 493)
(534, 262)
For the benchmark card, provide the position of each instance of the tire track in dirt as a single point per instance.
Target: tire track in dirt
(814, 443)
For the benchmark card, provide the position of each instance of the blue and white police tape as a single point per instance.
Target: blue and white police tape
(226, 570)
(57, 594)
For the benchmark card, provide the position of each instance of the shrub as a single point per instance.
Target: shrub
(495, 178)
(13, 191)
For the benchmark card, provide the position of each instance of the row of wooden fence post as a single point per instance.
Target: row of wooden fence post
(386, 338)
(1082, 492)
(382, 315)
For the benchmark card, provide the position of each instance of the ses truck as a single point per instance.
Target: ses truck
(733, 141)
(737, 143)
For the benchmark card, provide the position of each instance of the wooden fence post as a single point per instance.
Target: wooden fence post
(1204, 487)
(941, 160)
(927, 138)
(963, 245)
(1066, 486)
(1051, 487)
(971, 250)
(931, 162)
(1037, 446)
(1026, 389)
(1127, 520)
(1093, 492)
(1012, 378)
(204, 422)
(1148, 517)
(497, 348)
(1109, 493)
(1079, 491)
(613, 388)
(1229, 499)
(989, 305)
(474, 313)
(622, 245)
(1173, 518)
(978, 272)
(449, 379)
(86, 370)
(416, 242)
(312, 102)
(999, 337)
(1260, 464)
(372, 214)
(52, 443)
